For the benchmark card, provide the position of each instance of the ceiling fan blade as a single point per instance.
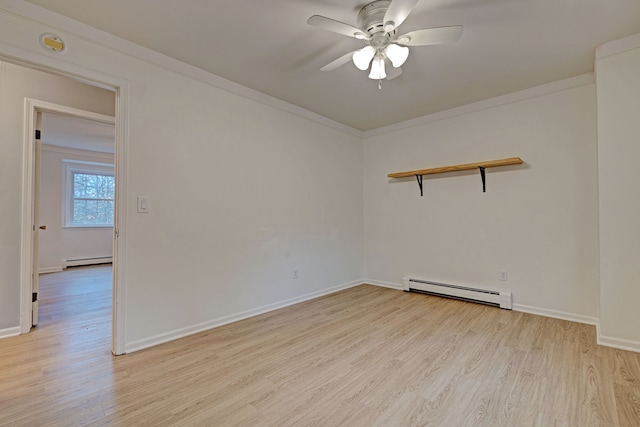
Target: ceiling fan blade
(338, 62)
(336, 26)
(431, 36)
(397, 13)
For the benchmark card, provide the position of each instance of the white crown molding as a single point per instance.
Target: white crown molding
(618, 46)
(533, 92)
(67, 25)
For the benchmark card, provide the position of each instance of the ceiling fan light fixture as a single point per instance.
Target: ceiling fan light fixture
(397, 54)
(377, 68)
(362, 57)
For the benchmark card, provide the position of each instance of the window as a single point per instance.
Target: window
(90, 192)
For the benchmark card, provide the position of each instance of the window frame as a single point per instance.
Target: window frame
(72, 167)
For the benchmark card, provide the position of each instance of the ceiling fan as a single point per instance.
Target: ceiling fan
(378, 24)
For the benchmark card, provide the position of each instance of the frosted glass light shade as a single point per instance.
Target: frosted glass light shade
(397, 54)
(362, 57)
(377, 69)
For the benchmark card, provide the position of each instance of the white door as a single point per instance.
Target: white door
(36, 221)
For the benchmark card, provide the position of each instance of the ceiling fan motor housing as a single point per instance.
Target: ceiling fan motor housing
(371, 17)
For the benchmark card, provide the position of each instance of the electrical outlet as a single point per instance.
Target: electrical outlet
(503, 275)
(294, 274)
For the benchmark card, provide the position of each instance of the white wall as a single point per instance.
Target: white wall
(537, 221)
(618, 77)
(57, 243)
(241, 193)
(16, 83)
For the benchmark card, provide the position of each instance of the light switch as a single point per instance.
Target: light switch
(143, 205)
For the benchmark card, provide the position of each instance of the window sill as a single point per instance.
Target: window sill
(86, 227)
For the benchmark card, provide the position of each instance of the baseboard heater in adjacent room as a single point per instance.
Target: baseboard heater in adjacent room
(500, 299)
(88, 261)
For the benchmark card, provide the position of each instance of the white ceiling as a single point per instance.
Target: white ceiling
(75, 132)
(507, 45)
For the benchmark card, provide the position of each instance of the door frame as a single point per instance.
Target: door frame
(56, 64)
(35, 255)
(31, 106)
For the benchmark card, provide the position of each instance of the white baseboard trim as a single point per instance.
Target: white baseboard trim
(579, 318)
(194, 329)
(382, 284)
(562, 315)
(618, 343)
(10, 332)
(50, 270)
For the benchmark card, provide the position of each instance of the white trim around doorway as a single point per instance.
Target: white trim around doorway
(26, 251)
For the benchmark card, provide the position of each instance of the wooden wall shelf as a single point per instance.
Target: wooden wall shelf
(454, 168)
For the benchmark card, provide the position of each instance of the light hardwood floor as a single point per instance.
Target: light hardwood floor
(366, 356)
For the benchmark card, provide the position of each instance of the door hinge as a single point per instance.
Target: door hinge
(34, 297)
(38, 134)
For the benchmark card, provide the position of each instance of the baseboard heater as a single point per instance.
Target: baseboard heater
(88, 261)
(500, 299)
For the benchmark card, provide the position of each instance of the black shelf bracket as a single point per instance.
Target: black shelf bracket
(484, 179)
(482, 175)
(419, 173)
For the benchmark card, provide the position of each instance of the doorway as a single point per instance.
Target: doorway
(30, 223)
(37, 112)
(75, 196)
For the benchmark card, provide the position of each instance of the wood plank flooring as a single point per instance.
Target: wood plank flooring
(367, 356)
